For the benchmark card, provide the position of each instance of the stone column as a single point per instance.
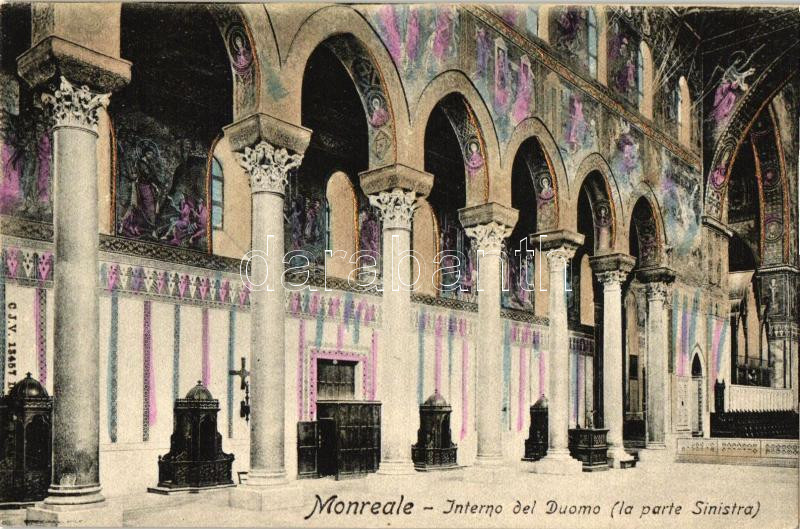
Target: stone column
(394, 191)
(268, 149)
(658, 398)
(487, 226)
(74, 496)
(611, 270)
(559, 247)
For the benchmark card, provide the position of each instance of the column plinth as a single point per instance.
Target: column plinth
(611, 271)
(559, 247)
(487, 226)
(393, 191)
(268, 165)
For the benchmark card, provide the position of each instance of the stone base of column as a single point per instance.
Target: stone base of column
(403, 467)
(557, 462)
(656, 455)
(287, 495)
(101, 514)
(619, 458)
(489, 460)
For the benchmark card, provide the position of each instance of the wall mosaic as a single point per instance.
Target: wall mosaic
(422, 40)
(681, 208)
(25, 160)
(160, 186)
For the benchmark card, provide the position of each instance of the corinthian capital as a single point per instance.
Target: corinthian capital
(268, 167)
(656, 292)
(611, 278)
(74, 106)
(559, 256)
(488, 237)
(396, 207)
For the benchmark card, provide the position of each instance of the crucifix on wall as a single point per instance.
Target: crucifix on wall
(243, 373)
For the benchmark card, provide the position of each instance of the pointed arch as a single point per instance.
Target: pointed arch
(647, 231)
(478, 122)
(644, 78)
(729, 139)
(368, 61)
(684, 109)
(536, 129)
(595, 164)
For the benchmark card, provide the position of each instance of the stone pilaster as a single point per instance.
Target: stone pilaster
(657, 283)
(268, 149)
(75, 83)
(559, 247)
(611, 271)
(394, 191)
(487, 226)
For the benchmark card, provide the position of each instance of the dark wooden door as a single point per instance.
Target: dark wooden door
(336, 380)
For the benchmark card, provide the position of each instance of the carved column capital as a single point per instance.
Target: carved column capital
(558, 257)
(656, 292)
(75, 106)
(611, 279)
(396, 207)
(268, 167)
(488, 237)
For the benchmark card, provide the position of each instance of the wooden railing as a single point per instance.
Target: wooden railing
(756, 398)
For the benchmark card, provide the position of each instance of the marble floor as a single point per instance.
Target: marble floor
(674, 495)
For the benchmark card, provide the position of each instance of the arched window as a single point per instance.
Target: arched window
(683, 110)
(592, 41)
(640, 78)
(217, 192)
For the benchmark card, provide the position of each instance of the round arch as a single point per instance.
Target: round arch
(726, 147)
(536, 129)
(595, 163)
(646, 104)
(376, 77)
(249, 52)
(478, 118)
(647, 225)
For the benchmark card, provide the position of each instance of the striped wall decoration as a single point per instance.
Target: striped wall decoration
(437, 366)
(231, 366)
(693, 325)
(320, 328)
(507, 375)
(206, 362)
(4, 329)
(452, 323)
(373, 366)
(423, 318)
(523, 380)
(40, 322)
(462, 331)
(148, 371)
(301, 355)
(684, 349)
(540, 354)
(112, 368)
(673, 358)
(176, 353)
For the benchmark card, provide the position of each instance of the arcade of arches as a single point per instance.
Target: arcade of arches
(600, 205)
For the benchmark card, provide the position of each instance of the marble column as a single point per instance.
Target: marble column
(611, 271)
(559, 247)
(487, 226)
(394, 191)
(74, 103)
(268, 149)
(658, 397)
